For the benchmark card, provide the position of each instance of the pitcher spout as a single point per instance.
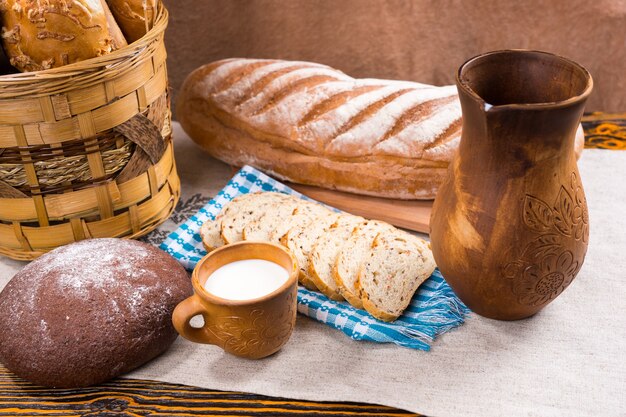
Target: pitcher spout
(526, 103)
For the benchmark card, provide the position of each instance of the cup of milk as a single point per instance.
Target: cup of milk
(246, 292)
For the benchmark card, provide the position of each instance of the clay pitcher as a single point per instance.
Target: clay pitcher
(509, 227)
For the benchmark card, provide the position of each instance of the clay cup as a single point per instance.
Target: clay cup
(253, 328)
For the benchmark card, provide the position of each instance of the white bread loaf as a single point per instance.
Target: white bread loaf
(329, 246)
(312, 124)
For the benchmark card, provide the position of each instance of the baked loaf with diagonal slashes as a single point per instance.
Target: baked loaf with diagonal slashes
(312, 124)
(340, 255)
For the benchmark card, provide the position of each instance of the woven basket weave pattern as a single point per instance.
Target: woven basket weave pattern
(56, 172)
(61, 154)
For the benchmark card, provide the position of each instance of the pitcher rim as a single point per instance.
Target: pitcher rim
(543, 105)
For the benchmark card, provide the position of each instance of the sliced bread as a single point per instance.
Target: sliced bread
(260, 230)
(300, 240)
(303, 215)
(394, 268)
(244, 210)
(325, 251)
(352, 254)
(211, 234)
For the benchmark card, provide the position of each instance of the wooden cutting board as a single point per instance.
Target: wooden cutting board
(408, 214)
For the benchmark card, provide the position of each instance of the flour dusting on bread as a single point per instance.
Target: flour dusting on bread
(312, 124)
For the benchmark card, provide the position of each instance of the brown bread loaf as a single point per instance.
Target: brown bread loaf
(43, 34)
(90, 311)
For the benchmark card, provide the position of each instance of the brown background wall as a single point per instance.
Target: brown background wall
(420, 40)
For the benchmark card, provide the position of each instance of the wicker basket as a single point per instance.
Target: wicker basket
(86, 150)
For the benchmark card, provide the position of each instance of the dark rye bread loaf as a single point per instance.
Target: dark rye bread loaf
(90, 311)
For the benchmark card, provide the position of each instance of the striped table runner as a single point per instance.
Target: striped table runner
(132, 397)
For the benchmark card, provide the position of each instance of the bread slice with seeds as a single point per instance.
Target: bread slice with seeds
(211, 234)
(394, 268)
(304, 214)
(325, 251)
(300, 240)
(352, 254)
(246, 209)
(260, 230)
(423, 245)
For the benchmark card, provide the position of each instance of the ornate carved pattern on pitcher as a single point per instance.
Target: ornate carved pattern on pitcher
(546, 267)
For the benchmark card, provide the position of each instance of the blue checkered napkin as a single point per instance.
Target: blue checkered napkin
(434, 309)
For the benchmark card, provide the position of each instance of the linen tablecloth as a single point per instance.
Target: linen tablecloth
(570, 359)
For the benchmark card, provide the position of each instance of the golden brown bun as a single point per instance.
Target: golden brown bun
(132, 16)
(114, 29)
(43, 34)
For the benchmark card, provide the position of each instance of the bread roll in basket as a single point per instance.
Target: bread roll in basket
(39, 35)
(311, 124)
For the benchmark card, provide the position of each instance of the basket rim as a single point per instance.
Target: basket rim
(92, 64)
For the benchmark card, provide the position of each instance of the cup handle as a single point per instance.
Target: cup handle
(183, 313)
